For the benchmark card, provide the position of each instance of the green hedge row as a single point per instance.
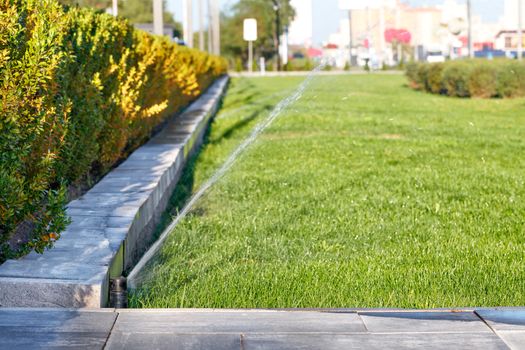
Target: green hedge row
(79, 90)
(469, 78)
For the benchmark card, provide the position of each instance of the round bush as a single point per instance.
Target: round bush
(456, 76)
(435, 78)
(510, 80)
(482, 81)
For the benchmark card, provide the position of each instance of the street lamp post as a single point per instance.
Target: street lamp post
(158, 25)
(215, 23)
(350, 43)
(277, 9)
(201, 25)
(520, 30)
(187, 22)
(114, 8)
(470, 43)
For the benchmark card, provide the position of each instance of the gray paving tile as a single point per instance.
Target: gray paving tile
(449, 341)
(239, 322)
(514, 339)
(423, 322)
(99, 222)
(51, 269)
(121, 211)
(130, 341)
(99, 253)
(119, 186)
(57, 320)
(103, 200)
(504, 319)
(48, 329)
(30, 340)
(157, 153)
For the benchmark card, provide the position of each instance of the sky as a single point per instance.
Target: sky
(326, 10)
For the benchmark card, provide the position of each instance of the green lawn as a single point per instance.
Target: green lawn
(364, 193)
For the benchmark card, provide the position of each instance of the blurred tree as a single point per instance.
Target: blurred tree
(137, 11)
(233, 45)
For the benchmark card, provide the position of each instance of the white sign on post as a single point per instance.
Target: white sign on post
(250, 35)
(250, 29)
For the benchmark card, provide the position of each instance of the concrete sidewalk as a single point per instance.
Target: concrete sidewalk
(262, 329)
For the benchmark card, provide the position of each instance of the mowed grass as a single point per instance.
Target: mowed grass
(364, 193)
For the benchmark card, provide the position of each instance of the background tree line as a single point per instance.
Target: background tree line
(232, 44)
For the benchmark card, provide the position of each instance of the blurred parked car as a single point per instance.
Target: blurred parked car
(435, 57)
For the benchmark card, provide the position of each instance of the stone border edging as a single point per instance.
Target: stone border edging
(113, 223)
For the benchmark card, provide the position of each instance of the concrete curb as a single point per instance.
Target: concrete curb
(113, 223)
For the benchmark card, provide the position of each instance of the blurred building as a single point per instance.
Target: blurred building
(507, 37)
(300, 32)
(394, 31)
(510, 14)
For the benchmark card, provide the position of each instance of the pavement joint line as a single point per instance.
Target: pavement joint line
(111, 330)
(492, 329)
(242, 340)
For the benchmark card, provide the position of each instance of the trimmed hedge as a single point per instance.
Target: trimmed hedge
(79, 90)
(469, 78)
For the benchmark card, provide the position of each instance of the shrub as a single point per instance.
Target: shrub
(455, 78)
(79, 90)
(469, 78)
(511, 81)
(482, 81)
(434, 78)
(417, 75)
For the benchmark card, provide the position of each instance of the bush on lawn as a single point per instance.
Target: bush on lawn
(511, 81)
(469, 78)
(79, 90)
(434, 82)
(456, 75)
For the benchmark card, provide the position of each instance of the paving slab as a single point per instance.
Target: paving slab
(131, 341)
(240, 329)
(113, 223)
(514, 339)
(48, 329)
(239, 322)
(435, 321)
(399, 341)
(507, 323)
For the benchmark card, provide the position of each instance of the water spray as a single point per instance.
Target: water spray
(132, 281)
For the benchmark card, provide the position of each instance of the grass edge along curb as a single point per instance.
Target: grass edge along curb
(79, 91)
(469, 78)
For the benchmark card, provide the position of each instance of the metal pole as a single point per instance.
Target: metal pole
(382, 43)
(187, 22)
(210, 29)
(158, 25)
(368, 36)
(470, 43)
(350, 43)
(201, 25)
(250, 56)
(216, 27)
(277, 33)
(520, 30)
(115, 8)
